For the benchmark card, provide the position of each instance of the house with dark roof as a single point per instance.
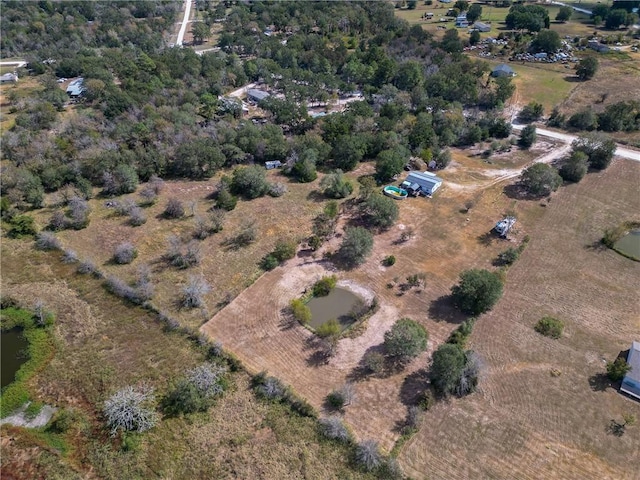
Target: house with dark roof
(631, 381)
(503, 70)
(482, 27)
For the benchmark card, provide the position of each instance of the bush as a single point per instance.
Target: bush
(270, 388)
(300, 311)
(250, 182)
(374, 362)
(174, 209)
(598, 147)
(284, 250)
(341, 397)
(137, 217)
(405, 340)
(549, 327)
(225, 201)
(22, 226)
(368, 455)
(460, 335)
(47, 241)
(88, 267)
(477, 292)
(356, 246)
(193, 292)
(269, 262)
(447, 366)
(323, 287)
(508, 257)
(330, 328)
(527, 137)
(277, 189)
(617, 369)
(183, 256)
(335, 429)
(197, 391)
(125, 253)
(336, 185)
(130, 410)
(531, 112)
(389, 261)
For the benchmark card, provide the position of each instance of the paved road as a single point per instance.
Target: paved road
(565, 137)
(577, 9)
(185, 22)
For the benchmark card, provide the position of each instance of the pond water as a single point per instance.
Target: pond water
(629, 244)
(337, 304)
(12, 354)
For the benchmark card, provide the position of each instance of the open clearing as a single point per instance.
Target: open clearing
(525, 423)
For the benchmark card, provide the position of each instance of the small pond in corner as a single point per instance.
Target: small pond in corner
(629, 244)
(338, 304)
(12, 354)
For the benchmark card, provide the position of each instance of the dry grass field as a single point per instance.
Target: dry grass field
(103, 344)
(524, 423)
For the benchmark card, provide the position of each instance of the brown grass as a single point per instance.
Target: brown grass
(524, 423)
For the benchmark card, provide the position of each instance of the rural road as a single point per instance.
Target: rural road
(185, 22)
(565, 137)
(17, 64)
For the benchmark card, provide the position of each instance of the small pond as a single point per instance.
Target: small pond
(629, 244)
(12, 354)
(337, 304)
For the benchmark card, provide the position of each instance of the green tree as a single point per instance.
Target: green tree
(598, 147)
(575, 167)
(547, 41)
(461, 5)
(474, 12)
(474, 37)
(448, 364)
(200, 32)
(330, 328)
(540, 179)
(564, 14)
(587, 68)
(336, 185)
(549, 327)
(617, 369)
(451, 41)
(390, 163)
(477, 292)
(356, 246)
(406, 340)
(304, 171)
(531, 112)
(527, 137)
(250, 182)
(615, 18)
(380, 211)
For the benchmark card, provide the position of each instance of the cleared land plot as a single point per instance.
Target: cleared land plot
(525, 423)
(445, 242)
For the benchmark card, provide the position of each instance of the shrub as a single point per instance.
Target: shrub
(374, 362)
(22, 226)
(341, 397)
(69, 256)
(277, 189)
(300, 311)
(336, 185)
(335, 429)
(380, 211)
(174, 209)
(193, 292)
(124, 253)
(531, 112)
(389, 261)
(460, 335)
(368, 455)
(269, 262)
(477, 292)
(598, 147)
(468, 381)
(617, 369)
(79, 211)
(250, 182)
(130, 409)
(47, 241)
(197, 391)
(575, 167)
(549, 327)
(270, 388)
(88, 267)
(447, 366)
(508, 257)
(225, 200)
(527, 137)
(406, 339)
(137, 217)
(183, 256)
(284, 250)
(323, 287)
(330, 328)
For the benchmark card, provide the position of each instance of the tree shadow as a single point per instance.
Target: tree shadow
(616, 428)
(572, 79)
(413, 386)
(316, 196)
(487, 238)
(600, 382)
(596, 246)
(287, 321)
(443, 309)
(362, 371)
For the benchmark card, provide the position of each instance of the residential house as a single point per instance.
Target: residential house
(631, 381)
(255, 95)
(503, 70)
(76, 88)
(482, 27)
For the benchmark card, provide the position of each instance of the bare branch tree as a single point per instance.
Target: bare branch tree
(207, 379)
(193, 292)
(368, 455)
(334, 428)
(131, 409)
(125, 253)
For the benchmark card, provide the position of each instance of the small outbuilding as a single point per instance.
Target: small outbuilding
(425, 183)
(255, 95)
(76, 88)
(504, 225)
(503, 70)
(631, 381)
(273, 164)
(9, 78)
(482, 27)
